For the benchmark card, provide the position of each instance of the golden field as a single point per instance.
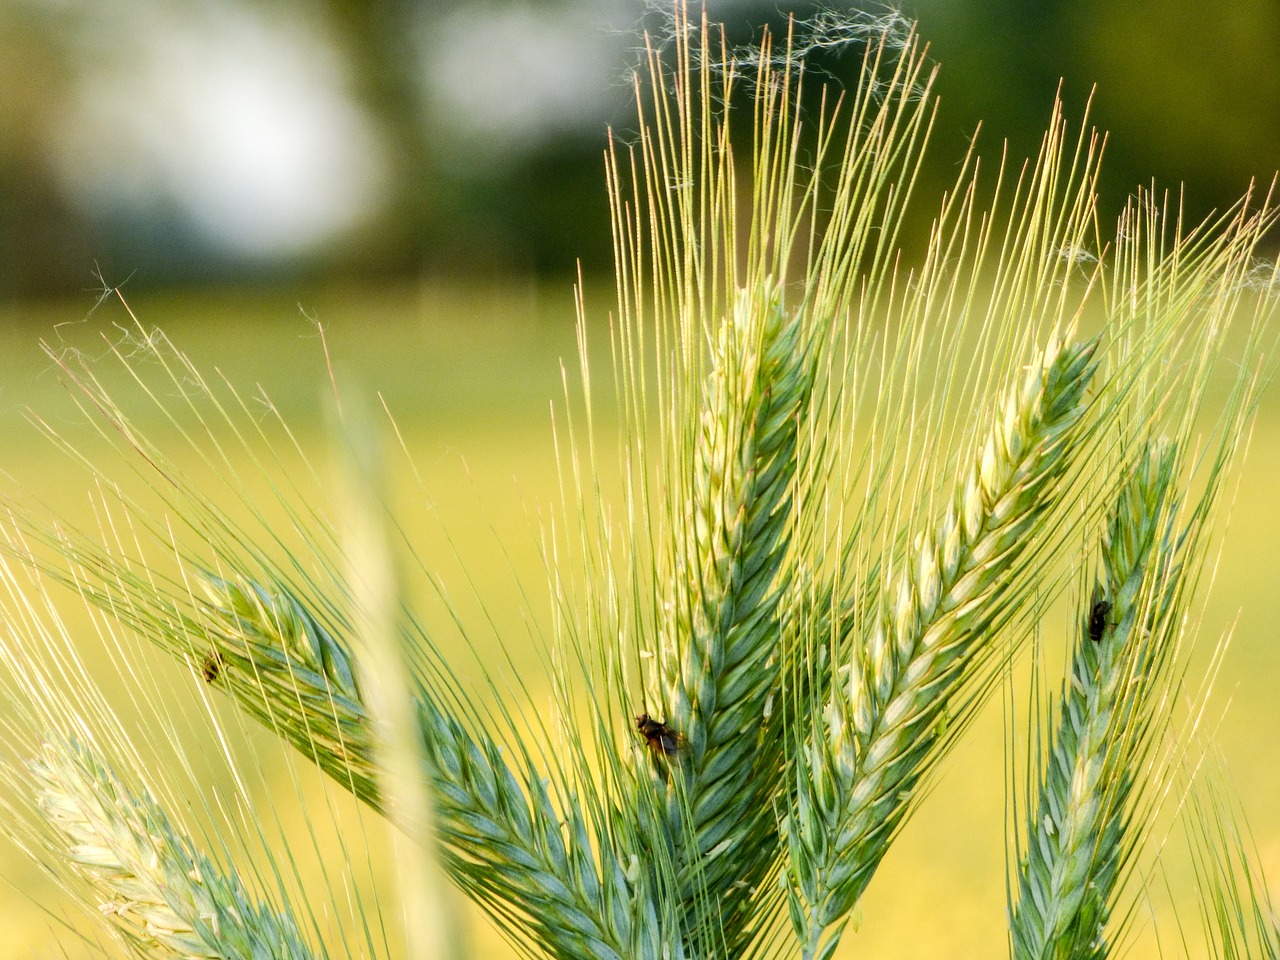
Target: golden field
(471, 375)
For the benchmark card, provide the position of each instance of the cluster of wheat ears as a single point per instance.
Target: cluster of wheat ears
(851, 492)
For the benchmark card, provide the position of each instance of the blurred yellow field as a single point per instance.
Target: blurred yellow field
(471, 376)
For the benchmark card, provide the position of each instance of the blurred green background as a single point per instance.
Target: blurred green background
(423, 179)
(237, 141)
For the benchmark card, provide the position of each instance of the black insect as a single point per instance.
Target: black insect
(1098, 619)
(660, 738)
(211, 666)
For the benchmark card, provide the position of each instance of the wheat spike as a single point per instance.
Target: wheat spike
(856, 774)
(755, 587)
(724, 627)
(160, 895)
(1079, 833)
(505, 845)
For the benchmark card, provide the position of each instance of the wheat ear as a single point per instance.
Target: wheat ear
(503, 844)
(857, 771)
(161, 896)
(723, 666)
(1078, 831)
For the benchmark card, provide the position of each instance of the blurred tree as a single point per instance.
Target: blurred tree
(381, 41)
(41, 235)
(1187, 91)
(1191, 93)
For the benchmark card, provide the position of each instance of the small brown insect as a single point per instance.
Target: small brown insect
(660, 738)
(211, 666)
(1098, 619)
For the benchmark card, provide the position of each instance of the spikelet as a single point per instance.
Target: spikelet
(1080, 833)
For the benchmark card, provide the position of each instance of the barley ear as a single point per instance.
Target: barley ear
(503, 843)
(160, 895)
(724, 631)
(879, 734)
(1079, 840)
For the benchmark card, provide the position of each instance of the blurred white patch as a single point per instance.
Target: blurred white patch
(238, 119)
(513, 75)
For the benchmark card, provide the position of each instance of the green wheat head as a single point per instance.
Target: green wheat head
(851, 491)
(164, 897)
(1079, 842)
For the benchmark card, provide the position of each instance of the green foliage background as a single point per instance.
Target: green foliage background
(1187, 90)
